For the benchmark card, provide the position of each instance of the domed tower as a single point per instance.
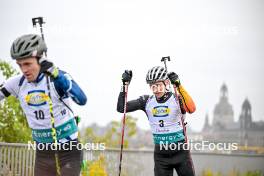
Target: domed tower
(223, 91)
(223, 111)
(245, 118)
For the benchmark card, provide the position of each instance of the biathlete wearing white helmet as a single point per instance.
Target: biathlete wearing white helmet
(166, 113)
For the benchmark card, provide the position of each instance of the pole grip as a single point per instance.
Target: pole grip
(40, 21)
(37, 20)
(165, 59)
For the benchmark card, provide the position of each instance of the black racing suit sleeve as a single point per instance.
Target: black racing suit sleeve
(133, 105)
(5, 92)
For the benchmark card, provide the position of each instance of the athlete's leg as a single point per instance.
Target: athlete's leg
(185, 167)
(162, 166)
(45, 163)
(71, 162)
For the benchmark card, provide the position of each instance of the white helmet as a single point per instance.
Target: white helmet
(156, 74)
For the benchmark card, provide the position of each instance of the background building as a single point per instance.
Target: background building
(223, 128)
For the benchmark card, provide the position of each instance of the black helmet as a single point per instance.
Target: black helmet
(30, 45)
(156, 74)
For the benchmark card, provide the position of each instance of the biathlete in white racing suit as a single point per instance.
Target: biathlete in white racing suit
(40, 84)
(165, 111)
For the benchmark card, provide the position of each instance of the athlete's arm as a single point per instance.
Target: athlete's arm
(66, 86)
(9, 87)
(186, 99)
(3, 92)
(133, 105)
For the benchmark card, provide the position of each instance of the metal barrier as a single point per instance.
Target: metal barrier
(18, 160)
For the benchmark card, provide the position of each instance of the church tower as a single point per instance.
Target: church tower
(223, 111)
(245, 118)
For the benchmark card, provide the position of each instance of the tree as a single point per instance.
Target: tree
(111, 137)
(13, 123)
(112, 134)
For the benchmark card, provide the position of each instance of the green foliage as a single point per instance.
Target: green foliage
(252, 173)
(94, 168)
(13, 123)
(7, 70)
(234, 172)
(112, 136)
(207, 172)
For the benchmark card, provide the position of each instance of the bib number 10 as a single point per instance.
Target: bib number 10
(39, 115)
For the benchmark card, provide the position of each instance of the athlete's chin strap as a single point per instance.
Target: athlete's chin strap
(163, 97)
(167, 89)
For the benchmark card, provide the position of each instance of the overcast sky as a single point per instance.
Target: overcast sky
(209, 41)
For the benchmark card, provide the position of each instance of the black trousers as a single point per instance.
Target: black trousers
(69, 160)
(167, 161)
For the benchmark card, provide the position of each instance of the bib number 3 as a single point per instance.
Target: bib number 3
(161, 123)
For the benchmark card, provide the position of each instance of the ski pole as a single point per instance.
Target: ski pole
(123, 130)
(40, 21)
(165, 59)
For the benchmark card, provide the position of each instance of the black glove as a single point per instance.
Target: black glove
(174, 79)
(127, 76)
(49, 68)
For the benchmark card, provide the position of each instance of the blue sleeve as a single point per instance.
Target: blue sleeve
(67, 87)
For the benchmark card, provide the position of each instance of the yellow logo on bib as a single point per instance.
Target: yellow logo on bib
(160, 111)
(36, 98)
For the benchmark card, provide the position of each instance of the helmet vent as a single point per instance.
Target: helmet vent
(24, 54)
(159, 74)
(35, 44)
(18, 42)
(33, 38)
(20, 46)
(27, 46)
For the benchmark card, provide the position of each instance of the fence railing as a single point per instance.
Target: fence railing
(18, 160)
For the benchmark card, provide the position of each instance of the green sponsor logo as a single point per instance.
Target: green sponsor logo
(62, 131)
(169, 137)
